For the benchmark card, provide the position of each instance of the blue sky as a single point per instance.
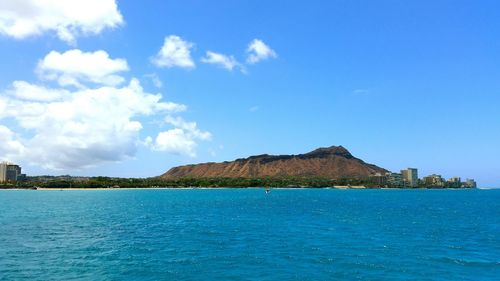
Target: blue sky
(400, 84)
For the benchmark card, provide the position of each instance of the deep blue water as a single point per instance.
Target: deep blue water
(244, 234)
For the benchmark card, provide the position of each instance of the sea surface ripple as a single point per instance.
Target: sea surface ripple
(244, 234)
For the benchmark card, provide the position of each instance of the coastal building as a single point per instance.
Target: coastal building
(378, 180)
(434, 181)
(22, 177)
(469, 183)
(454, 182)
(394, 180)
(3, 172)
(410, 177)
(9, 172)
(13, 172)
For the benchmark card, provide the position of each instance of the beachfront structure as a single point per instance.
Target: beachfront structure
(469, 183)
(3, 172)
(394, 179)
(454, 182)
(410, 177)
(378, 179)
(434, 181)
(9, 172)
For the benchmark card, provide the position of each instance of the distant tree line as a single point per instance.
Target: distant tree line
(111, 182)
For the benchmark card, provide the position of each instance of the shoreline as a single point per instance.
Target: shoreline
(255, 187)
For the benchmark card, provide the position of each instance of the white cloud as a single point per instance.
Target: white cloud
(174, 52)
(257, 51)
(86, 127)
(227, 62)
(10, 147)
(190, 127)
(68, 19)
(175, 141)
(75, 67)
(155, 79)
(29, 92)
(181, 139)
(61, 128)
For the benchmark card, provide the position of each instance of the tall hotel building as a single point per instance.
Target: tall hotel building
(410, 177)
(9, 172)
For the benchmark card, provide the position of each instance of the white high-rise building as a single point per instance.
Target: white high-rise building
(3, 172)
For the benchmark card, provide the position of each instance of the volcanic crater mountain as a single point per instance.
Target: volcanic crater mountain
(330, 162)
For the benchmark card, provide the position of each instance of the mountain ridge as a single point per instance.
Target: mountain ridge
(328, 162)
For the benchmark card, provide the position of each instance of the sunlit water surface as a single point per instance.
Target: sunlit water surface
(244, 234)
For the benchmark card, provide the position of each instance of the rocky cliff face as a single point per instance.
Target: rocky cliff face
(331, 162)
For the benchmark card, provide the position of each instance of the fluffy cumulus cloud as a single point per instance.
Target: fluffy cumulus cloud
(72, 128)
(68, 19)
(10, 146)
(257, 51)
(175, 141)
(182, 138)
(75, 67)
(175, 52)
(224, 61)
(23, 90)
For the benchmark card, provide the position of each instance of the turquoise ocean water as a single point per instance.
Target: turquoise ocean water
(244, 234)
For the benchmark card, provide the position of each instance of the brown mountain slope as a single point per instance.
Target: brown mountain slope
(331, 162)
